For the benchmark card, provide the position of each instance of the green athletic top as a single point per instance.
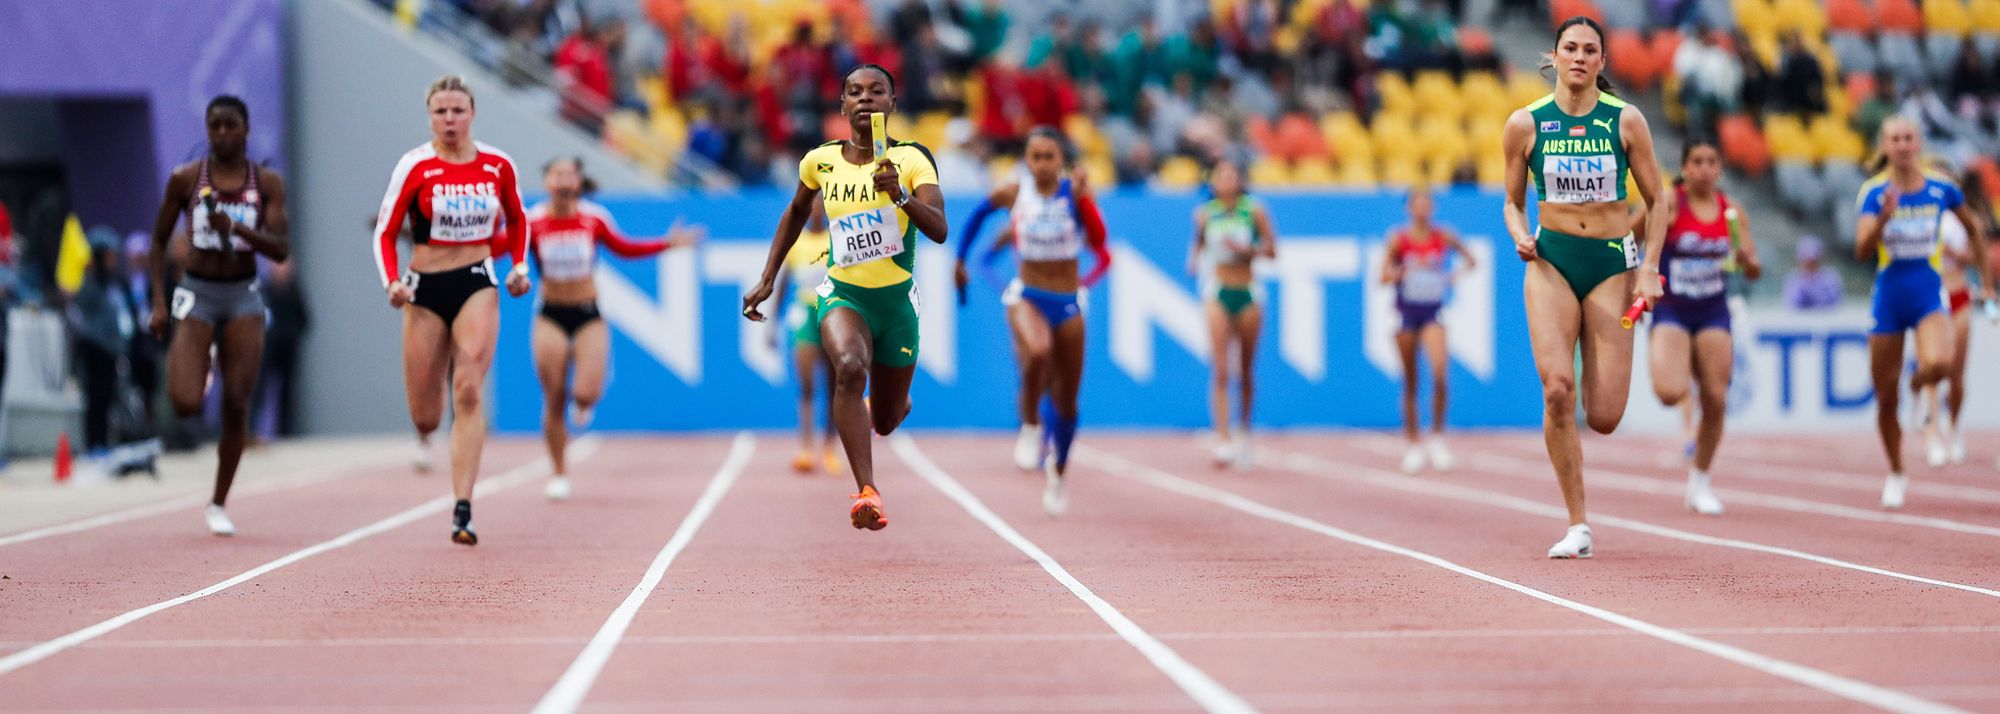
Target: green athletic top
(1578, 159)
(1230, 230)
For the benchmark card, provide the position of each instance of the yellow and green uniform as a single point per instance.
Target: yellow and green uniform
(1577, 160)
(1228, 234)
(872, 246)
(806, 265)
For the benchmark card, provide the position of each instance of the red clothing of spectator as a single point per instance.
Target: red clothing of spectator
(723, 66)
(6, 236)
(1050, 96)
(804, 62)
(1006, 106)
(585, 68)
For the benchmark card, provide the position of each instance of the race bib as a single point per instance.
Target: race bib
(1424, 285)
(204, 237)
(464, 213)
(566, 255)
(1047, 237)
(1230, 237)
(873, 234)
(183, 303)
(1911, 238)
(1695, 277)
(1580, 179)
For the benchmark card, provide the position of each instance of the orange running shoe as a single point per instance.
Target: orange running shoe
(867, 510)
(802, 462)
(834, 464)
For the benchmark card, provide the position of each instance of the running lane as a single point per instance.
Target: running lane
(61, 583)
(405, 618)
(1731, 596)
(780, 605)
(1293, 620)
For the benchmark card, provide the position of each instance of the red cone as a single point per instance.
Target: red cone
(62, 458)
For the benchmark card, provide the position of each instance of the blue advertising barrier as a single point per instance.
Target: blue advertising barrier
(683, 358)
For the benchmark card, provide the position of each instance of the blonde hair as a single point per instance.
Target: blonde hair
(451, 83)
(1878, 161)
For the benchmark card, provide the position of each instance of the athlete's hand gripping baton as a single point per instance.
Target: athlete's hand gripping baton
(1639, 307)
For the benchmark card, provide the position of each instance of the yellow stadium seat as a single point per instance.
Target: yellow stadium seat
(1834, 139)
(1395, 138)
(1314, 172)
(671, 129)
(1180, 172)
(1101, 172)
(1303, 13)
(1437, 95)
(1483, 94)
(930, 129)
(1838, 104)
(1765, 44)
(1270, 172)
(1356, 174)
(1948, 16)
(1442, 140)
(1493, 171)
(1402, 172)
(1804, 16)
(1345, 136)
(1395, 93)
(1788, 138)
(1484, 137)
(1438, 173)
(1523, 88)
(1985, 15)
(1755, 16)
(1001, 170)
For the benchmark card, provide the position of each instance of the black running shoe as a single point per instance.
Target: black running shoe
(461, 524)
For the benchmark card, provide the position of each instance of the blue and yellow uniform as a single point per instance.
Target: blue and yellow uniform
(872, 247)
(1908, 287)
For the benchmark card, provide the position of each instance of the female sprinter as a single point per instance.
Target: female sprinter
(1579, 144)
(217, 303)
(569, 332)
(1052, 220)
(1416, 263)
(1690, 334)
(1943, 441)
(805, 269)
(1901, 208)
(1230, 231)
(875, 205)
(463, 201)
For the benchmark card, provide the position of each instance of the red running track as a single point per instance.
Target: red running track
(1318, 580)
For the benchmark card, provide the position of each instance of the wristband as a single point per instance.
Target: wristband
(903, 200)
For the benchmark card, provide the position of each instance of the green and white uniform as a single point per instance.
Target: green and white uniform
(1230, 237)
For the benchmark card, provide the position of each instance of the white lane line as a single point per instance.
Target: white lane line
(505, 480)
(1856, 690)
(978, 638)
(570, 690)
(1757, 470)
(302, 478)
(1205, 691)
(1595, 476)
(1335, 470)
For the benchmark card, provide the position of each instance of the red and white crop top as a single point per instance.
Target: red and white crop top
(475, 202)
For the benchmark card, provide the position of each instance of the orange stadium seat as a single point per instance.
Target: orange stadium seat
(1851, 16)
(1743, 146)
(1297, 138)
(1258, 129)
(1631, 61)
(1899, 16)
(1989, 172)
(1560, 10)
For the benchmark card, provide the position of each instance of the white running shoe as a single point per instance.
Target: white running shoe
(1028, 448)
(1242, 448)
(1055, 495)
(420, 457)
(1956, 446)
(1413, 459)
(1441, 457)
(1893, 489)
(1934, 451)
(1700, 498)
(558, 488)
(218, 521)
(1224, 452)
(1575, 543)
(580, 416)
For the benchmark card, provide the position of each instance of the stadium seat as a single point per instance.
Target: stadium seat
(1799, 186)
(1524, 87)
(1314, 172)
(1296, 138)
(1631, 60)
(1743, 144)
(1395, 138)
(1560, 10)
(1402, 172)
(1663, 44)
(1855, 53)
(1395, 93)
(1756, 17)
(1493, 170)
(1802, 16)
(1941, 51)
(1787, 137)
(1985, 16)
(1484, 95)
(1345, 136)
(1180, 172)
(1842, 180)
(1900, 54)
(1101, 172)
(1437, 94)
(1257, 129)
(1442, 139)
(1834, 140)
(1851, 16)
(1898, 16)
(1270, 172)
(1951, 17)
(1356, 174)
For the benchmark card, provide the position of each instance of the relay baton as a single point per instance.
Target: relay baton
(1639, 307)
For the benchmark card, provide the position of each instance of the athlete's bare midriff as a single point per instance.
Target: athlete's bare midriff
(1587, 220)
(569, 292)
(440, 257)
(1056, 276)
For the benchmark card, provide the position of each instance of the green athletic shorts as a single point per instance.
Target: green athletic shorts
(1586, 262)
(806, 329)
(891, 314)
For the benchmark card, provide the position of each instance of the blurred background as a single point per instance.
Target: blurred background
(698, 110)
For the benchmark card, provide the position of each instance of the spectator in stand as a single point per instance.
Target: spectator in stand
(1801, 86)
(987, 24)
(1251, 32)
(1811, 286)
(583, 71)
(102, 321)
(926, 78)
(1135, 62)
(1711, 80)
(1432, 38)
(1051, 96)
(907, 20)
(147, 353)
(1003, 123)
(1137, 164)
(1171, 112)
(1971, 82)
(1878, 105)
(802, 66)
(1197, 54)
